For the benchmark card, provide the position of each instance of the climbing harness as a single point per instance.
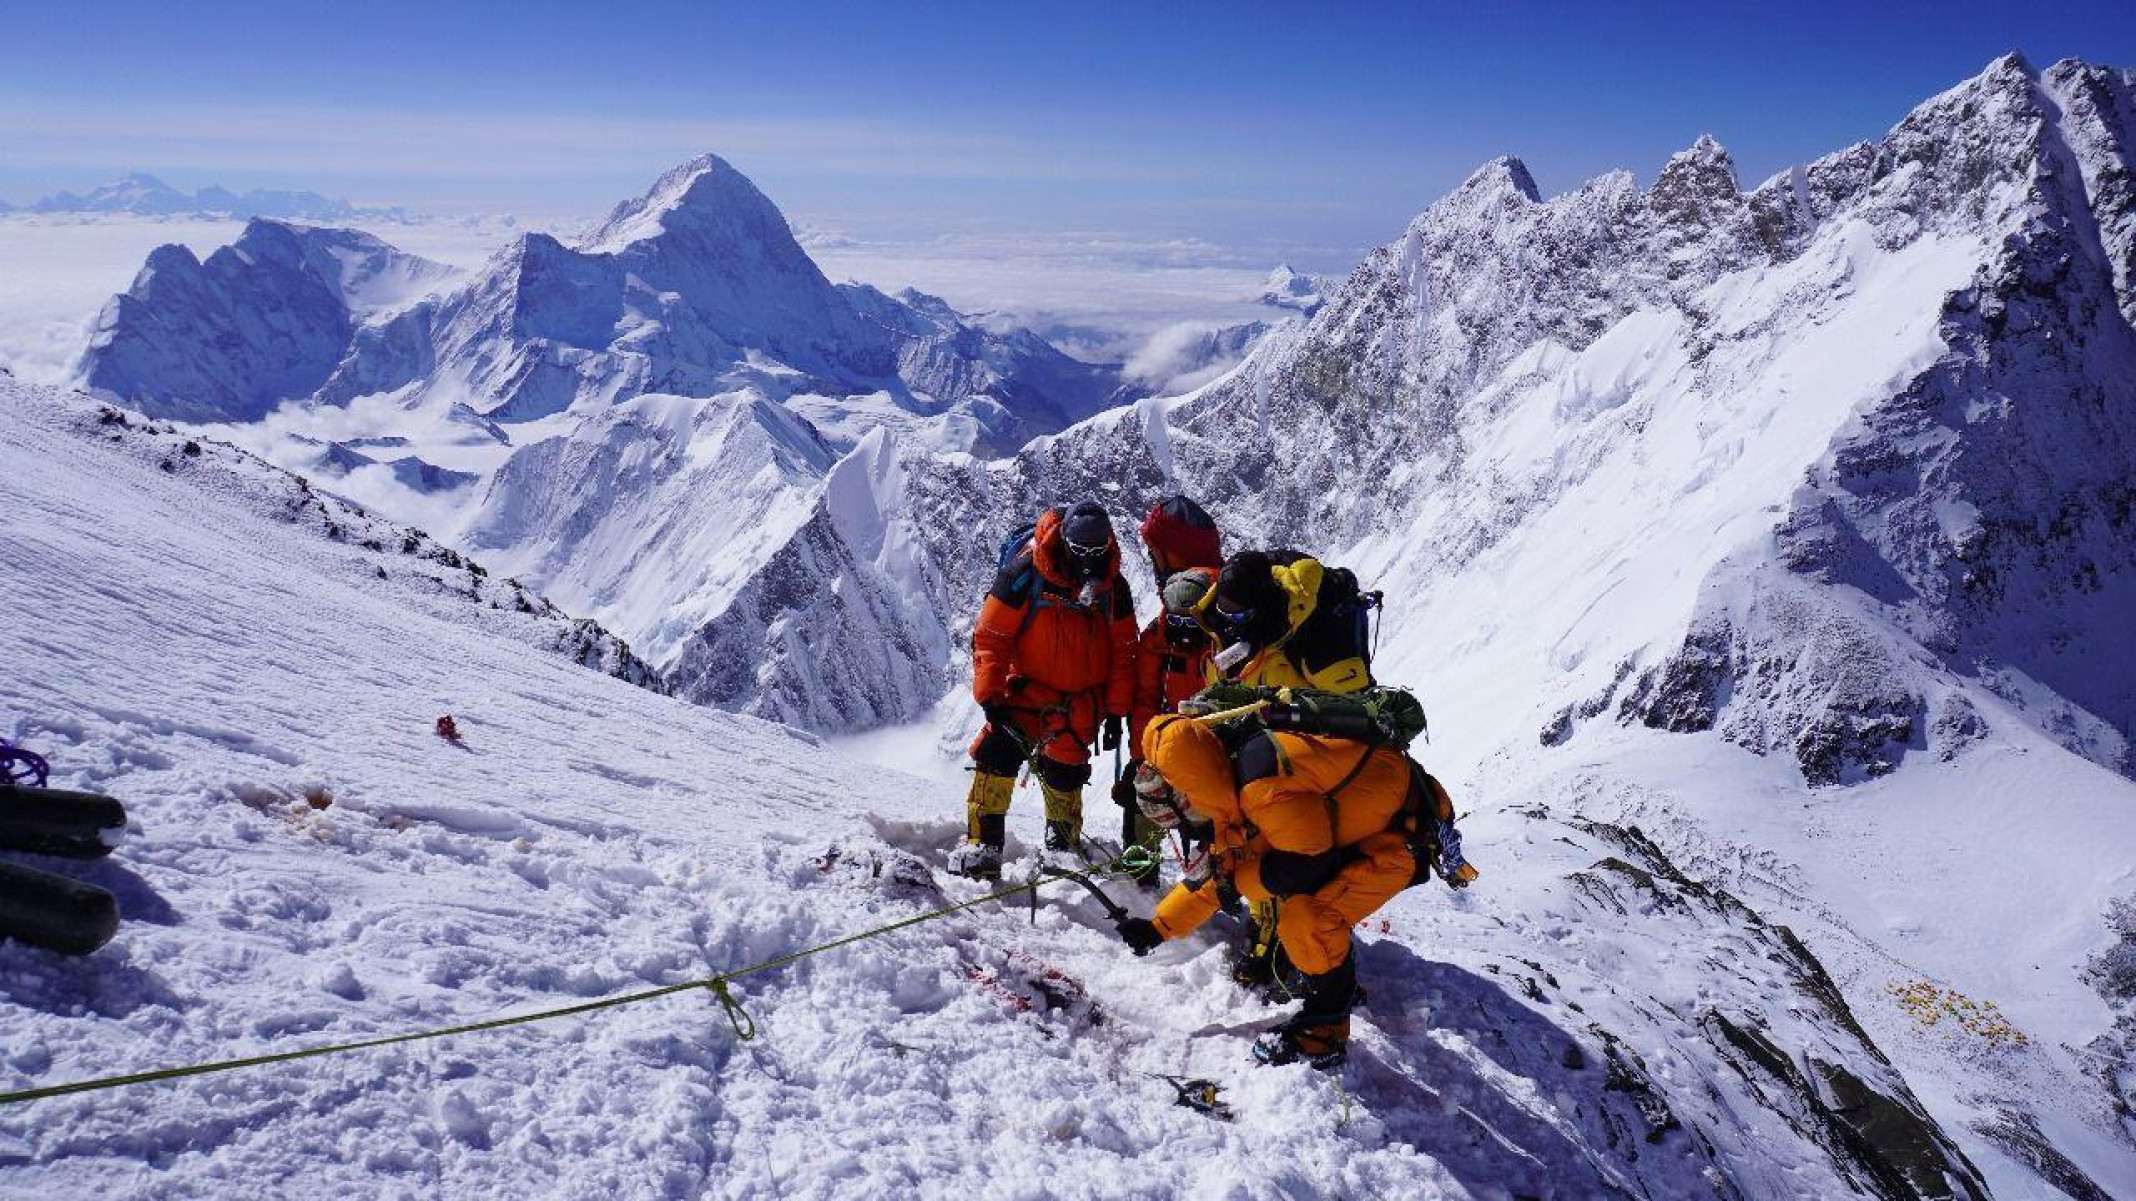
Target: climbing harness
(744, 1026)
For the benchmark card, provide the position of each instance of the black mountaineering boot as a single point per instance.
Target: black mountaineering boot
(1063, 838)
(980, 859)
(1319, 1034)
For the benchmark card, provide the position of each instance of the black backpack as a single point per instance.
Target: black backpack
(1340, 626)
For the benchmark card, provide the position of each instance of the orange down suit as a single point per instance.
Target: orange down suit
(1164, 675)
(1062, 666)
(1278, 833)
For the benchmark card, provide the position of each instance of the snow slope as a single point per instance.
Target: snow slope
(307, 862)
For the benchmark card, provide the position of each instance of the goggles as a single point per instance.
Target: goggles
(1086, 553)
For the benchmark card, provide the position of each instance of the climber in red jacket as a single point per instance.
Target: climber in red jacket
(1172, 659)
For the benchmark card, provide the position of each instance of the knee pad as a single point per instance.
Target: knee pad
(997, 753)
(1287, 873)
(1062, 777)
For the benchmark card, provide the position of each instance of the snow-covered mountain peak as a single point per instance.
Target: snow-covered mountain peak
(1286, 288)
(1504, 179)
(1705, 166)
(703, 196)
(260, 321)
(930, 305)
(695, 288)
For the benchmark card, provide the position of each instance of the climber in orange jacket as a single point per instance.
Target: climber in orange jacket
(1053, 660)
(1327, 824)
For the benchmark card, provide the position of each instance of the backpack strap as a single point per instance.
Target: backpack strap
(1356, 769)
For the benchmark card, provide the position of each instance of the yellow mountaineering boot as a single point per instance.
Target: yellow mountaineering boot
(986, 826)
(1064, 818)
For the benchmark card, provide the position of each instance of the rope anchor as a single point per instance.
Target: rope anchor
(737, 1017)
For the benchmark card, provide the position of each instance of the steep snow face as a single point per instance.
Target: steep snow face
(308, 864)
(1983, 507)
(261, 321)
(1006, 387)
(706, 530)
(649, 514)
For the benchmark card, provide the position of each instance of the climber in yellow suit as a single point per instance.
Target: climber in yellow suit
(1282, 620)
(1329, 824)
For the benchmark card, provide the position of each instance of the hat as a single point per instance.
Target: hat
(1185, 590)
(1182, 533)
(1087, 525)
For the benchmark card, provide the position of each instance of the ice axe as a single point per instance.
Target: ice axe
(1113, 909)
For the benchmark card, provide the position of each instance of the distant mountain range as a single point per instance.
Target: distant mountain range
(696, 288)
(145, 195)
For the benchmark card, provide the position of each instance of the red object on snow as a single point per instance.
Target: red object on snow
(448, 729)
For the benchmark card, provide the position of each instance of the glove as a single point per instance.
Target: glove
(1123, 790)
(997, 714)
(1140, 934)
(1109, 740)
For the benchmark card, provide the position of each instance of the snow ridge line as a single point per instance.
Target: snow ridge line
(1130, 861)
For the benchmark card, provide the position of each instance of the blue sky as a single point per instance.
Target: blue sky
(1237, 123)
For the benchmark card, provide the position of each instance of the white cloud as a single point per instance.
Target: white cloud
(1098, 295)
(1182, 357)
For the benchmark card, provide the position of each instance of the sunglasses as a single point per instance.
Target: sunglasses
(1080, 551)
(1232, 618)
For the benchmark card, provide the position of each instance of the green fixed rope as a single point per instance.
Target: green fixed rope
(744, 1026)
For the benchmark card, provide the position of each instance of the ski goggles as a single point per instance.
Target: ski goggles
(1086, 555)
(1230, 619)
(1183, 625)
